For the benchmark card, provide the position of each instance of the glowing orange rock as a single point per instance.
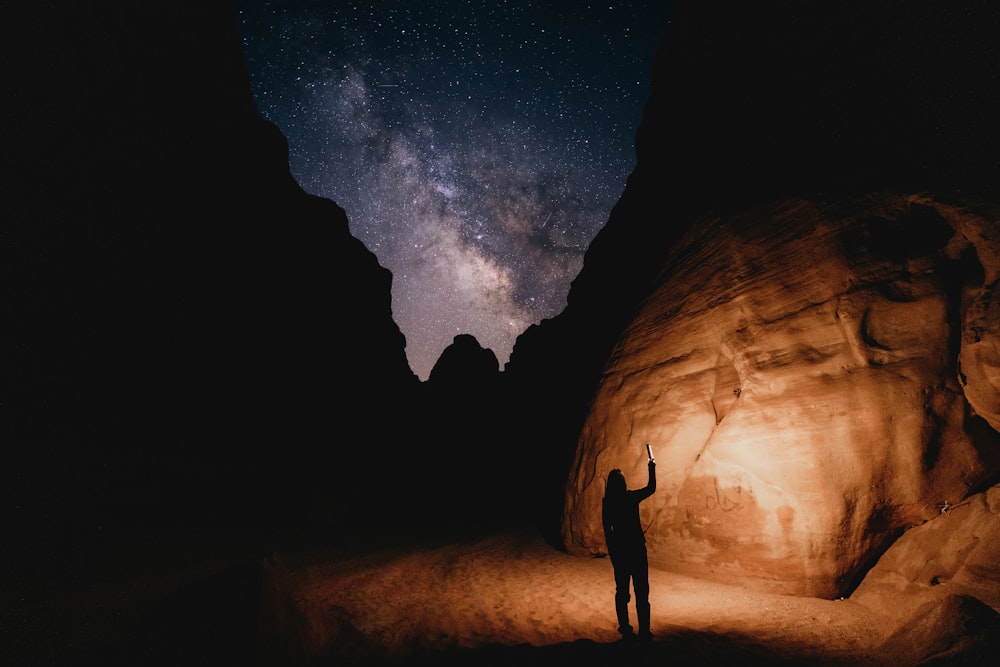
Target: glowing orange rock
(797, 373)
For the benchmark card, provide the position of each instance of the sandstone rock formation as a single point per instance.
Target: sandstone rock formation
(938, 586)
(796, 373)
(957, 553)
(805, 257)
(753, 102)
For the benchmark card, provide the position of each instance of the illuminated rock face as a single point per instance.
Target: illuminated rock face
(960, 548)
(797, 374)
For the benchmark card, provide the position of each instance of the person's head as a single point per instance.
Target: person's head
(616, 483)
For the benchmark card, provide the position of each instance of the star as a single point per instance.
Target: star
(477, 147)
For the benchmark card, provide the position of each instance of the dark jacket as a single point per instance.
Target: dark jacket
(620, 513)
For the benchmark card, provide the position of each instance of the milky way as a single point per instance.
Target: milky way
(477, 147)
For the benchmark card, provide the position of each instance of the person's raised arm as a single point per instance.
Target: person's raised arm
(651, 484)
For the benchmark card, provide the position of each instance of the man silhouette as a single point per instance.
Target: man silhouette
(627, 548)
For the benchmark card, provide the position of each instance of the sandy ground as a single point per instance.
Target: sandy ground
(505, 597)
(511, 598)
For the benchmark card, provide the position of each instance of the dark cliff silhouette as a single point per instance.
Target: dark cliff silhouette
(464, 363)
(466, 425)
(191, 343)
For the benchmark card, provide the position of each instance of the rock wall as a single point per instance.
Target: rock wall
(797, 374)
(755, 102)
(956, 553)
(805, 260)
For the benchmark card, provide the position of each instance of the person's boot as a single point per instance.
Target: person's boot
(621, 608)
(643, 613)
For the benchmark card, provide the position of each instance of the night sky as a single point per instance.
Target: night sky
(477, 147)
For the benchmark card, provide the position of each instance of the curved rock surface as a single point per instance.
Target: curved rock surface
(955, 553)
(797, 374)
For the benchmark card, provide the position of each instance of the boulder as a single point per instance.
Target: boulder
(796, 372)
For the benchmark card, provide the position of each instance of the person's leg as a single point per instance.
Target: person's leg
(640, 580)
(622, 578)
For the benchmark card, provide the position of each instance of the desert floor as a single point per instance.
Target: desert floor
(511, 598)
(503, 597)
